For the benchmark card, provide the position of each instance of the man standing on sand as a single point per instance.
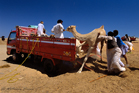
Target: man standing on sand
(40, 28)
(58, 29)
(122, 46)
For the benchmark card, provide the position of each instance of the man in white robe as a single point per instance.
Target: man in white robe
(58, 29)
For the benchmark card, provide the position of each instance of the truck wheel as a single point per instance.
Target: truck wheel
(16, 57)
(49, 66)
(23, 56)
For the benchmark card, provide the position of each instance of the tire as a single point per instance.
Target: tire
(49, 66)
(16, 57)
(23, 56)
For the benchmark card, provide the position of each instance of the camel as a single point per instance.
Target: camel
(79, 47)
(91, 39)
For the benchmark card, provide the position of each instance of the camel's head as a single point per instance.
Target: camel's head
(70, 28)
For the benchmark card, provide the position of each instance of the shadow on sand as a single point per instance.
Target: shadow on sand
(65, 66)
(96, 65)
(133, 68)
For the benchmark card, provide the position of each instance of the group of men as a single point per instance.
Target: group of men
(116, 49)
(57, 29)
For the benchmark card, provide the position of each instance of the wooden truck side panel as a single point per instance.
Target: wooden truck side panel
(63, 49)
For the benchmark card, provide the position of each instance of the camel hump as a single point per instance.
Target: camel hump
(102, 27)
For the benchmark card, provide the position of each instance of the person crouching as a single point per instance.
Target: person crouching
(113, 55)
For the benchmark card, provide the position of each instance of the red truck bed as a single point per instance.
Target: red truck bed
(63, 49)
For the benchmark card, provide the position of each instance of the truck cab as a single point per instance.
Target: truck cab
(12, 40)
(11, 43)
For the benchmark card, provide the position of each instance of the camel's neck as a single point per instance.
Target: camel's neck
(78, 35)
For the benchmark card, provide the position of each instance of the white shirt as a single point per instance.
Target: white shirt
(58, 30)
(40, 29)
(106, 37)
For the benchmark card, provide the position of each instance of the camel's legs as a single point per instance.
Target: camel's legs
(85, 59)
(79, 48)
(102, 44)
(85, 42)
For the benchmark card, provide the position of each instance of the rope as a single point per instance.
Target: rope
(98, 78)
(48, 32)
(12, 79)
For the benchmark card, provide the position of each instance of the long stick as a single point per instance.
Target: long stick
(98, 78)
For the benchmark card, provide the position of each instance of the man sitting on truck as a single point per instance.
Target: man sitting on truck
(58, 29)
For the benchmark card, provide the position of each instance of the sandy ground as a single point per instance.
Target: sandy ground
(32, 78)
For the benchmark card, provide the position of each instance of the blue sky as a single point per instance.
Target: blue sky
(87, 15)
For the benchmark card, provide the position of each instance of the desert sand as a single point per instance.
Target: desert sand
(33, 79)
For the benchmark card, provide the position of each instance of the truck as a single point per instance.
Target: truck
(131, 38)
(50, 51)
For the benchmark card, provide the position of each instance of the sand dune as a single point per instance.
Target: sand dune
(32, 78)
